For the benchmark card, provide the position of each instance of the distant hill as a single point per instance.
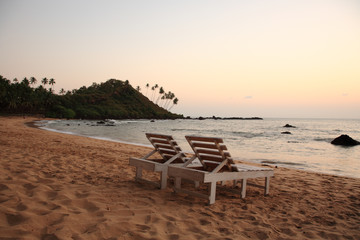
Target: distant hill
(111, 99)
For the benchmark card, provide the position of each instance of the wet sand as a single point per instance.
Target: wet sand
(58, 186)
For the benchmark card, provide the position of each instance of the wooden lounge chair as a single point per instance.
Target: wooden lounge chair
(216, 166)
(170, 153)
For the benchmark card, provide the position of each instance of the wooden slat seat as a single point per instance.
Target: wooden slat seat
(170, 153)
(216, 166)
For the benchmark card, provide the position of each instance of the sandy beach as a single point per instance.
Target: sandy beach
(58, 186)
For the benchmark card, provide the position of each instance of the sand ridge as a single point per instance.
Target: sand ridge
(58, 186)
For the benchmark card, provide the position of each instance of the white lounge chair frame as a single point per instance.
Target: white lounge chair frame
(170, 152)
(217, 166)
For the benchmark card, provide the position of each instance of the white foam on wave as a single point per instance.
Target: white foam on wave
(94, 137)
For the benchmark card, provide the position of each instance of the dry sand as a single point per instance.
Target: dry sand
(57, 186)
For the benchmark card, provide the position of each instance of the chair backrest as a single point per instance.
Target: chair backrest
(166, 146)
(211, 152)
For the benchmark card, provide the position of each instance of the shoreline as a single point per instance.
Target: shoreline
(254, 161)
(68, 186)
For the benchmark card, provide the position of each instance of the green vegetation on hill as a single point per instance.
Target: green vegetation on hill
(111, 99)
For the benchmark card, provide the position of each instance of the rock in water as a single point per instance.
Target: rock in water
(345, 140)
(289, 126)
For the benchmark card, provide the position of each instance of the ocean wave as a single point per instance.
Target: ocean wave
(58, 131)
(323, 139)
(248, 134)
(185, 130)
(282, 163)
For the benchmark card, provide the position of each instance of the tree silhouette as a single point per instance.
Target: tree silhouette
(176, 100)
(26, 82)
(51, 81)
(169, 96)
(147, 88)
(44, 81)
(33, 81)
(161, 92)
(153, 91)
(113, 99)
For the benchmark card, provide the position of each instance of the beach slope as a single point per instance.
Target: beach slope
(58, 186)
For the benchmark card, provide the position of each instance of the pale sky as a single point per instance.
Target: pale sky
(224, 58)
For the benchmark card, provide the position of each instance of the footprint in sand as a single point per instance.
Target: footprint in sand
(148, 219)
(143, 228)
(224, 231)
(56, 187)
(49, 237)
(14, 219)
(174, 237)
(3, 187)
(57, 218)
(261, 234)
(29, 186)
(204, 222)
(169, 218)
(21, 207)
(82, 194)
(287, 231)
(50, 205)
(170, 227)
(51, 195)
(89, 206)
(45, 181)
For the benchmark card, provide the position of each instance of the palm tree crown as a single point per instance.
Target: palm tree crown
(44, 81)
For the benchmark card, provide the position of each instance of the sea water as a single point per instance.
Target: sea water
(306, 148)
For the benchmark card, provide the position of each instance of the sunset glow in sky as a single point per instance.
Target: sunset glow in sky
(223, 58)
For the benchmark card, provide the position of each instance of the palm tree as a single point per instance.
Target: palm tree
(161, 92)
(163, 99)
(147, 88)
(15, 80)
(138, 88)
(176, 100)
(62, 91)
(33, 81)
(44, 81)
(169, 96)
(26, 82)
(153, 89)
(51, 81)
(154, 93)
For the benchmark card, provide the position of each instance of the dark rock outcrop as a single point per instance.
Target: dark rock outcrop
(289, 126)
(345, 140)
(286, 132)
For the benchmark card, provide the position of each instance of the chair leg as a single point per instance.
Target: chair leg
(177, 182)
(267, 185)
(212, 192)
(243, 188)
(138, 173)
(163, 179)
